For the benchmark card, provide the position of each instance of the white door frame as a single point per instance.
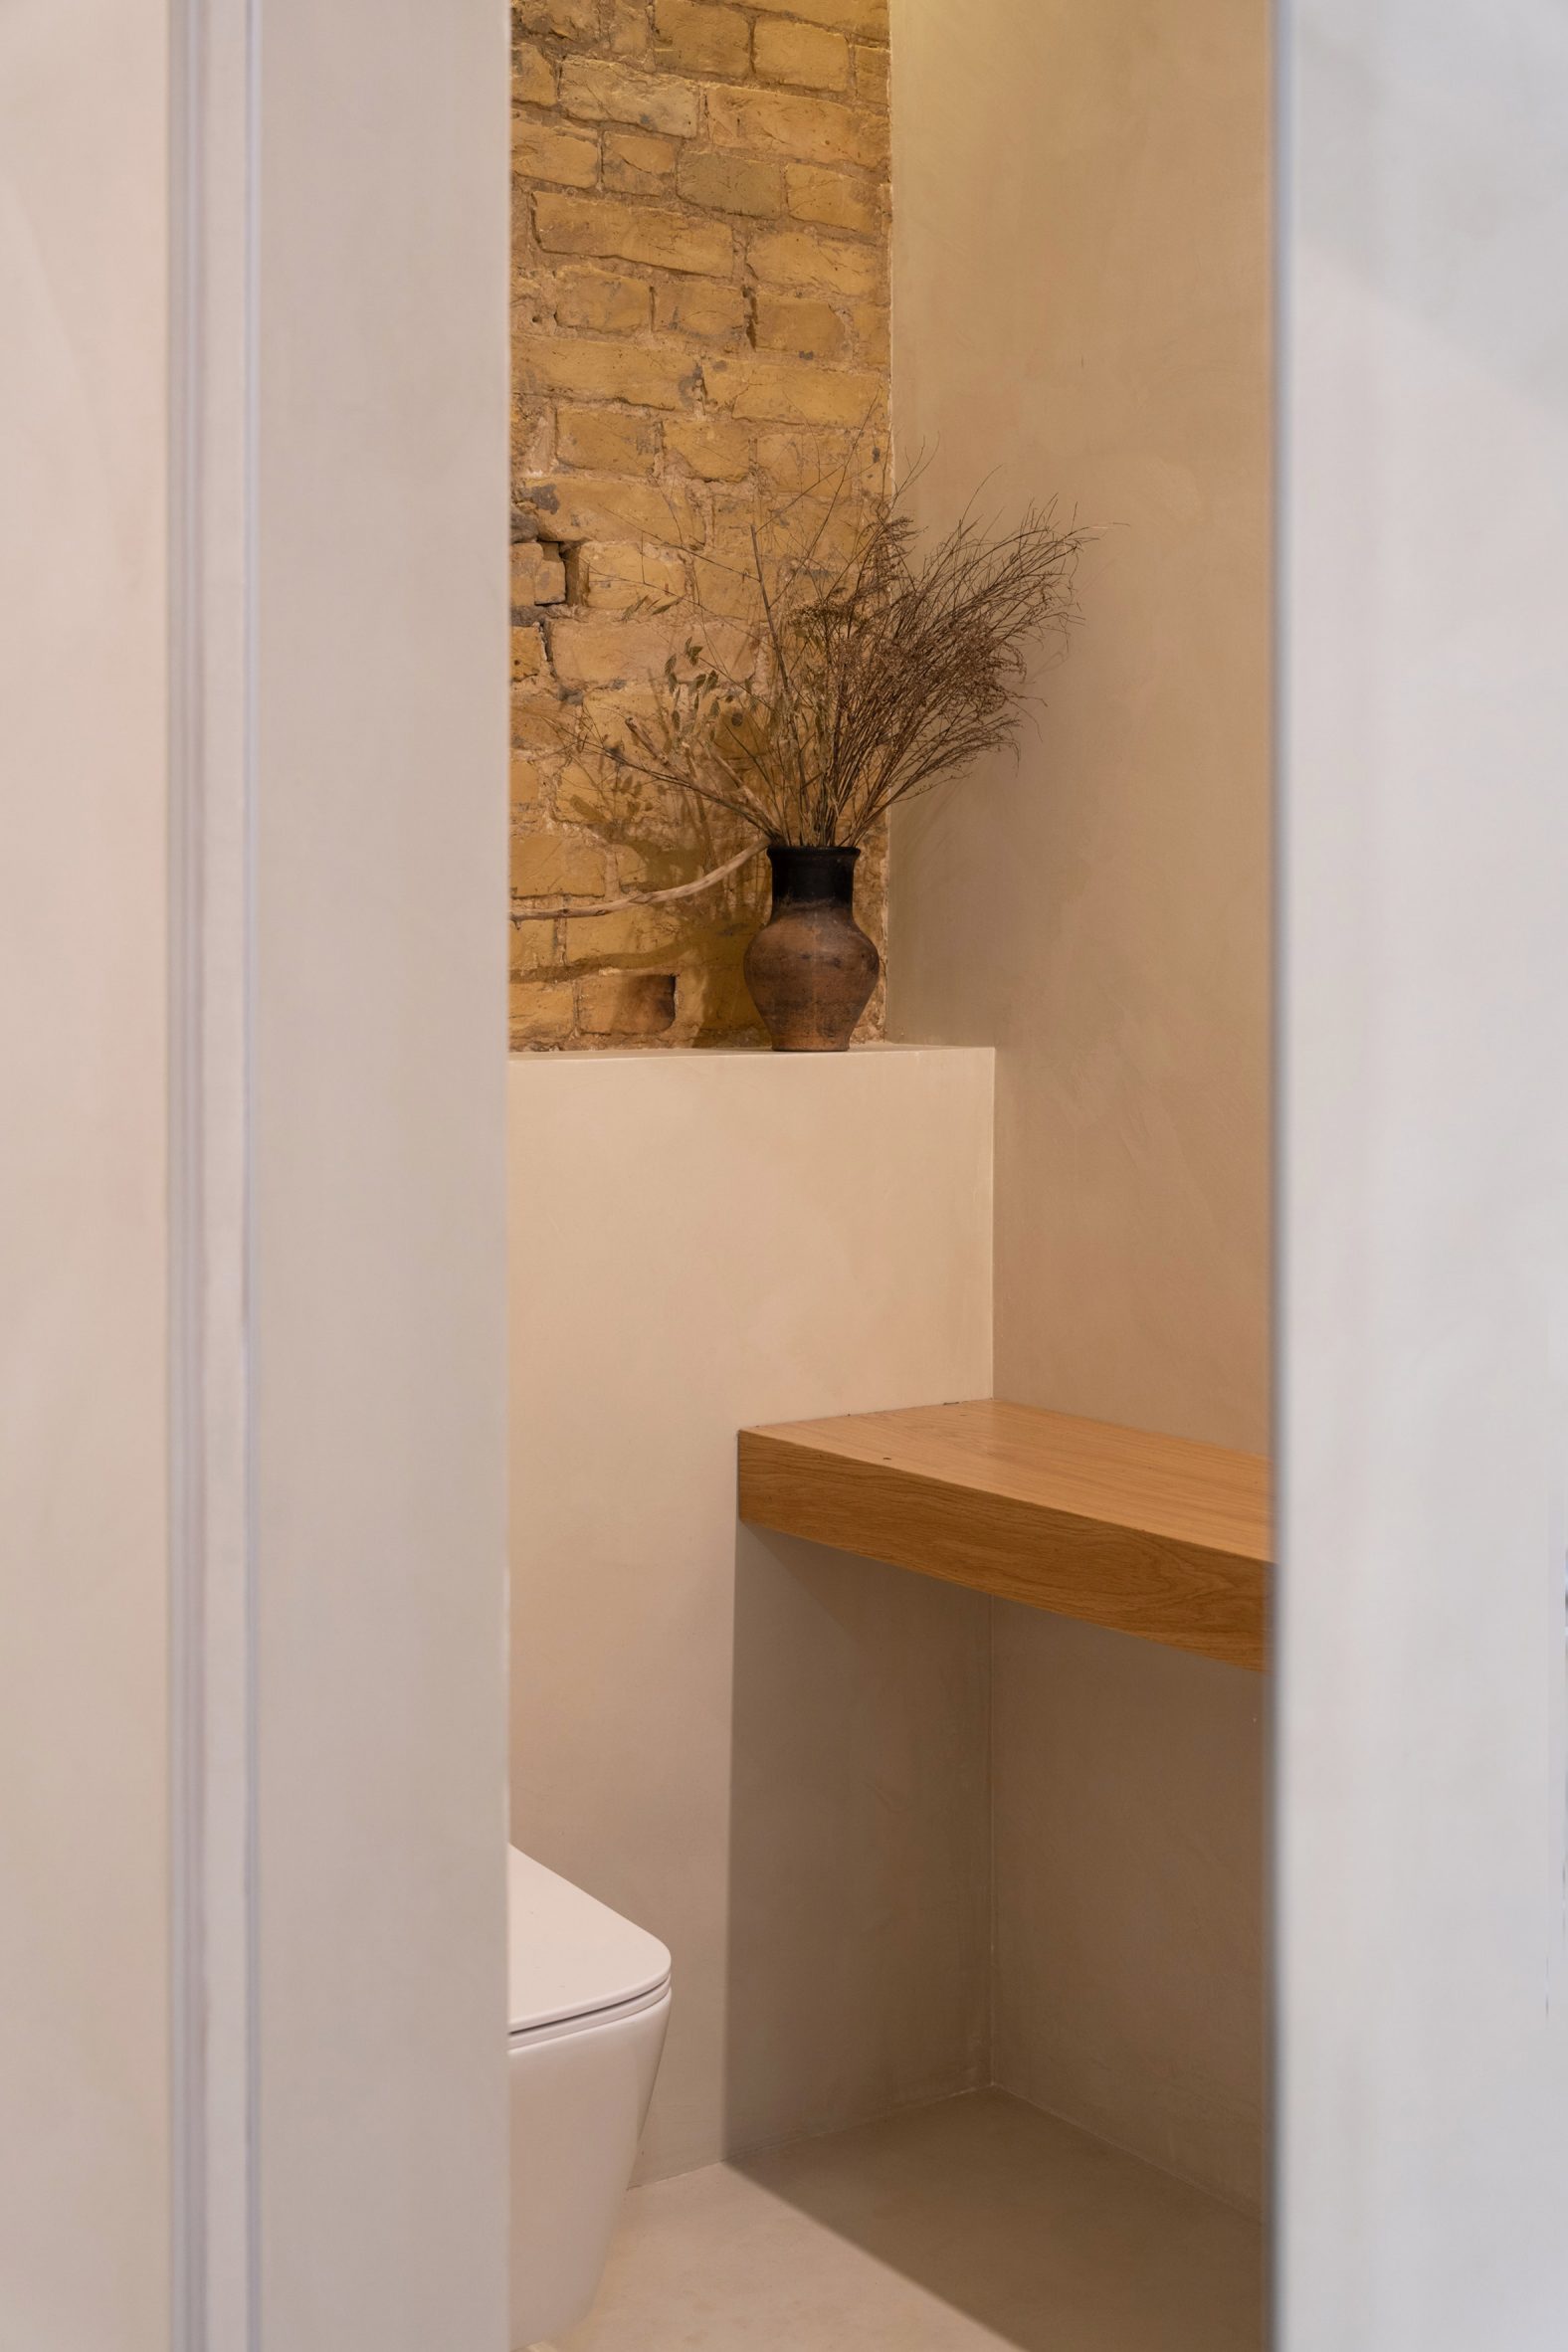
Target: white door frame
(351, 1925)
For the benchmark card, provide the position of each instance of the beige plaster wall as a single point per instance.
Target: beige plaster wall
(773, 1756)
(84, 1685)
(1080, 309)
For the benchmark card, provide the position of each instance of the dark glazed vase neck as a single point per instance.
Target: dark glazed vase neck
(812, 876)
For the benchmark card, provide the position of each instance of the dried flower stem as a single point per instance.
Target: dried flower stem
(861, 669)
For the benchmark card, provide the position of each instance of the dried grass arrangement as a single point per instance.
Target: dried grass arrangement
(843, 663)
(848, 666)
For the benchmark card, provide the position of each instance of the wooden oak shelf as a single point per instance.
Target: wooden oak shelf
(1150, 1535)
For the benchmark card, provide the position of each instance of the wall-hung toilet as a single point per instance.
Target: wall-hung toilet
(590, 2000)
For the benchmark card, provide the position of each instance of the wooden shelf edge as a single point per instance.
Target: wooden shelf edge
(1144, 1534)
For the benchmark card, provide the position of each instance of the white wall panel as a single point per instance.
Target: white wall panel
(1424, 2116)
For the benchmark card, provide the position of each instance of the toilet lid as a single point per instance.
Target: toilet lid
(570, 1956)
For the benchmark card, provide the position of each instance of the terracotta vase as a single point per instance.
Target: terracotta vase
(810, 969)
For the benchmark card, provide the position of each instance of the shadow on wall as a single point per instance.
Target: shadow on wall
(1128, 1828)
(859, 1842)
(860, 1986)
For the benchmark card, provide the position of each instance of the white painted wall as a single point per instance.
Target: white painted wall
(772, 1755)
(1423, 1976)
(379, 1112)
(83, 1102)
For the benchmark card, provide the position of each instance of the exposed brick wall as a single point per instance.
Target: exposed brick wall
(700, 269)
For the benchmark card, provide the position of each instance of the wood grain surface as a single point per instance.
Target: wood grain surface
(1151, 1535)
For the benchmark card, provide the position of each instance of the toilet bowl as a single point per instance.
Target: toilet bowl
(589, 2003)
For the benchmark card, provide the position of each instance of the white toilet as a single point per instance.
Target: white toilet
(590, 2000)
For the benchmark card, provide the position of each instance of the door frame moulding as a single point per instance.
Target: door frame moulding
(213, 1775)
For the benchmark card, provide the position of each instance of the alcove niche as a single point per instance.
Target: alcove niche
(964, 1893)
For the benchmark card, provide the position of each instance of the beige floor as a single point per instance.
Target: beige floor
(976, 2224)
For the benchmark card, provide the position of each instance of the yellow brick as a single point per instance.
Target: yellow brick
(727, 584)
(556, 866)
(830, 508)
(532, 440)
(531, 298)
(543, 151)
(810, 257)
(632, 930)
(793, 391)
(538, 576)
(537, 718)
(838, 199)
(543, 1013)
(805, 129)
(803, 54)
(532, 948)
(630, 33)
(582, 370)
(841, 531)
(574, 20)
(625, 1004)
(532, 76)
(787, 322)
(714, 447)
(654, 868)
(731, 183)
(619, 574)
(596, 371)
(872, 77)
(577, 506)
(715, 313)
(527, 654)
(608, 652)
(796, 462)
(606, 440)
(871, 326)
(598, 90)
(593, 298)
(583, 796)
(704, 39)
(527, 780)
(610, 715)
(735, 514)
(633, 233)
(866, 17)
(639, 163)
